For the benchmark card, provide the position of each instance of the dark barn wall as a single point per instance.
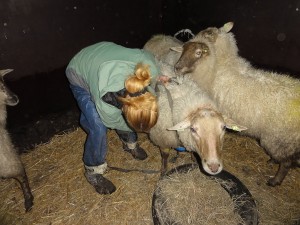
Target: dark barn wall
(39, 37)
(42, 35)
(267, 32)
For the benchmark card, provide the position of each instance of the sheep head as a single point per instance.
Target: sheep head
(199, 48)
(206, 129)
(192, 53)
(6, 95)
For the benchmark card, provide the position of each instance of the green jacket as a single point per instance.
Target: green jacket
(104, 67)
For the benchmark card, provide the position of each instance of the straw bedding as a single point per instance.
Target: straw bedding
(187, 198)
(63, 196)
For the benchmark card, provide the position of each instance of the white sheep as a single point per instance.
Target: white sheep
(267, 103)
(199, 126)
(10, 162)
(159, 45)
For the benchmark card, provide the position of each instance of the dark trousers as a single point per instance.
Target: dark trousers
(95, 147)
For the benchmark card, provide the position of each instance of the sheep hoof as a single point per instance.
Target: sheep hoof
(28, 202)
(174, 159)
(28, 206)
(272, 161)
(272, 182)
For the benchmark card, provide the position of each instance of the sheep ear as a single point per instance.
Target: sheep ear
(227, 27)
(3, 72)
(181, 125)
(232, 125)
(177, 49)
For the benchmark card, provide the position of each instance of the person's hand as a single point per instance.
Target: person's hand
(163, 78)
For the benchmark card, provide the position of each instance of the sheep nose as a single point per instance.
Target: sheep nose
(214, 167)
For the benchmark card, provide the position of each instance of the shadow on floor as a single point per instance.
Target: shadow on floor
(46, 108)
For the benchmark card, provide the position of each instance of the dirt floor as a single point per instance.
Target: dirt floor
(63, 196)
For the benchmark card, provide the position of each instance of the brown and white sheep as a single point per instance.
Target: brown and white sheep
(10, 162)
(267, 103)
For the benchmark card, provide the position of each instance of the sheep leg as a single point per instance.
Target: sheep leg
(283, 170)
(28, 197)
(174, 159)
(193, 156)
(164, 160)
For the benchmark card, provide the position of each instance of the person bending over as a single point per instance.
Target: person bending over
(113, 87)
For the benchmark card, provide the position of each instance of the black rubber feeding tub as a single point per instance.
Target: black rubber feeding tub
(239, 197)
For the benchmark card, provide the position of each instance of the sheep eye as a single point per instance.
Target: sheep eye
(198, 53)
(192, 130)
(224, 127)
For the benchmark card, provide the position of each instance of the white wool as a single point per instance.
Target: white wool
(266, 102)
(159, 45)
(10, 161)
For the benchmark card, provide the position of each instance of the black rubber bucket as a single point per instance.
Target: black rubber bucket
(245, 207)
